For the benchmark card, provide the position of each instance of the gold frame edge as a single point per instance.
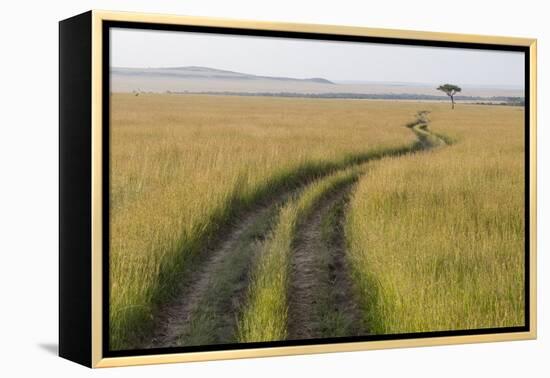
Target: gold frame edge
(533, 187)
(98, 16)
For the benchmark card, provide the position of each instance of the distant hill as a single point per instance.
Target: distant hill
(207, 73)
(197, 79)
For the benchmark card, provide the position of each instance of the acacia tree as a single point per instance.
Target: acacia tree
(450, 90)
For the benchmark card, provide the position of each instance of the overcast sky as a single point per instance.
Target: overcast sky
(300, 58)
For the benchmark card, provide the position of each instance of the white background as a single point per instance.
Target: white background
(29, 189)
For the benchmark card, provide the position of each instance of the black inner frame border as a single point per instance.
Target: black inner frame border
(107, 25)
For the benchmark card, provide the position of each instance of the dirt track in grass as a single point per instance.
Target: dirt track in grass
(212, 293)
(321, 296)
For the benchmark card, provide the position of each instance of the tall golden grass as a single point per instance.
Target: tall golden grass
(436, 239)
(183, 165)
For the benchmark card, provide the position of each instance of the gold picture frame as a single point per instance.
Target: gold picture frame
(82, 337)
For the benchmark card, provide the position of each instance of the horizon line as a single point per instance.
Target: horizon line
(336, 81)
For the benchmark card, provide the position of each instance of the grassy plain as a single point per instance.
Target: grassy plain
(436, 240)
(182, 166)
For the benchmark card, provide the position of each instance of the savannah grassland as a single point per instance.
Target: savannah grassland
(434, 238)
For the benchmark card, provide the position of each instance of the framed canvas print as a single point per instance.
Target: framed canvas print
(235, 189)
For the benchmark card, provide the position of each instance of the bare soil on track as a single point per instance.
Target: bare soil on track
(226, 269)
(321, 298)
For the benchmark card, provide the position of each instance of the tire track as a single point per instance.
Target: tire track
(207, 307)
(205, 311)
(322, 300)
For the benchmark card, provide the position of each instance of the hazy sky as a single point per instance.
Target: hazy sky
(310, 58)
